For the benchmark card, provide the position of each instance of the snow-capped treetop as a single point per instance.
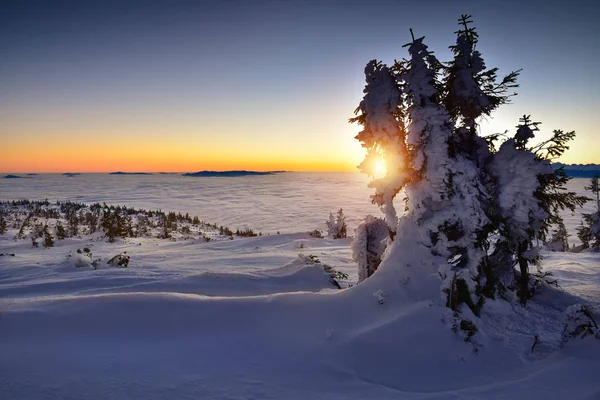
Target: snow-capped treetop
(466, 98)
(383, 135)
(525, 131)
(472, 90)
(380, 112)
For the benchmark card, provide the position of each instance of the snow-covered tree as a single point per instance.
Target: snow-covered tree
(434, 175)
(449, 201)
(368, 245)
(48, 238)
(589, 231)
(336, 225)
(472, 213)
(471, 89)
(60, 231)
(529, 196)
(559, 239)
(383, 134)
(2, 224)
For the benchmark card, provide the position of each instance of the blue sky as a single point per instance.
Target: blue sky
(265, 80)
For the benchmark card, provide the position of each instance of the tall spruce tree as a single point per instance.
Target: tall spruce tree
(460, 226)
(471, 89)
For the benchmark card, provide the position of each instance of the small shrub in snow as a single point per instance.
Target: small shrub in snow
(316, 234)
(24, 225)
(464, 327)
(225, 231)
(335, 275)
(558, 241)
(246, 232)
(72, 221)
(336, 226)
(81, 258)
(61, 233)
(469, 328)
(142, 226)
(2, 224)
(380, 296)
(116, 223)
(579, 322)
(37, 230)
(48, 238)
(589, 231)
(120, 260)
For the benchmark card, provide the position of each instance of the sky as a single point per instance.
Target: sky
(93, 86)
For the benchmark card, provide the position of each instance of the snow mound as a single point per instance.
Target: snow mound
(294, 277)
(248, 318)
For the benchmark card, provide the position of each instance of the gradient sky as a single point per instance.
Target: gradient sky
(192, 85)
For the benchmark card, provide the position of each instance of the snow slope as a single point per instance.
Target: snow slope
(209, 320)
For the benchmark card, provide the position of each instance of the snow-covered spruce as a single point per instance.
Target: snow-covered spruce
(383, 134)
(472, 212)
(559, 239)
(336, 225)
(529, 194)
(589, 231)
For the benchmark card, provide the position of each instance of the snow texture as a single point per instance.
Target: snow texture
(247, 318)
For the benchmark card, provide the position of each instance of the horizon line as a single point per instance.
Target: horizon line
(166, 171)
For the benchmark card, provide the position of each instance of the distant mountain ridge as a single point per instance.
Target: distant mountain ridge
(230, 173)
(579, 170)
(130, 173)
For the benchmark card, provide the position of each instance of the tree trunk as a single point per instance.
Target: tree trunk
(524, 293)
(490, 280)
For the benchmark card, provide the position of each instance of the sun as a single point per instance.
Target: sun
(379, 168)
